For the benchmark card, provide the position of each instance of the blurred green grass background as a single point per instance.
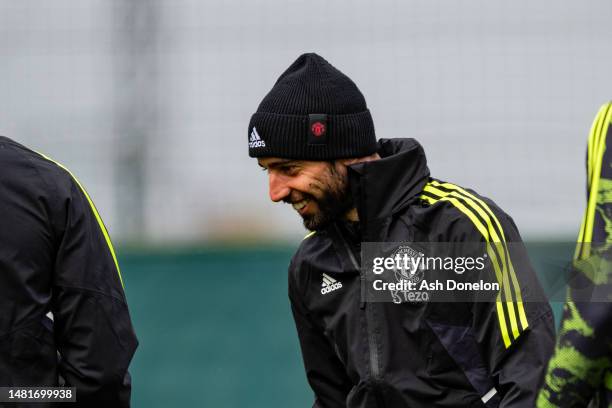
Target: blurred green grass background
(215, 327)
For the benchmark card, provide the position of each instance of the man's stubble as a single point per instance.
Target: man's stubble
(335, 201)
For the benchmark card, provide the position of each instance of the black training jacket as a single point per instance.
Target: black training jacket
(56, 256)
(416, 354)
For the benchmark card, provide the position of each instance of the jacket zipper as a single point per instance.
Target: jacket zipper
(372, 341)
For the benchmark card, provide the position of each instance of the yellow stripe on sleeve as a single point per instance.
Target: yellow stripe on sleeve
(494, 261)
(596, 149)
(95, 212)
(310, 234)
(472, 199)
(495, 244)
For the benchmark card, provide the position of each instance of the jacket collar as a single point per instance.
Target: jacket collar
(383, 187)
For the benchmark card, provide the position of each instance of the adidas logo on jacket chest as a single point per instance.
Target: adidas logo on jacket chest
(329, 284)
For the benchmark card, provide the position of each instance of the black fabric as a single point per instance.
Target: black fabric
(342, 337)
(54, 258)
(460, 343)
(312, 86)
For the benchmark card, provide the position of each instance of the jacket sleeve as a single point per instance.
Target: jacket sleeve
(92, 326)
(581, 365)
(516, 332)
(324, 370)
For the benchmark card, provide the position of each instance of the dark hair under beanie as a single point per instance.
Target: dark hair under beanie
(313, 112)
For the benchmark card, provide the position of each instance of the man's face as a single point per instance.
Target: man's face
(317, 190)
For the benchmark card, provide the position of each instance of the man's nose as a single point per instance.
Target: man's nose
(278, 187)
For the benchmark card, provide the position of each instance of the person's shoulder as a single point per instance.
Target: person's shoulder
(312, 245)
(31, 168)
(462, 210)
(316, 252)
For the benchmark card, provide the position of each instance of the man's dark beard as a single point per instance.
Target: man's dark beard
(334, 204)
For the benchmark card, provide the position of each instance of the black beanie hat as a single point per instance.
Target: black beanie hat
(313, 112)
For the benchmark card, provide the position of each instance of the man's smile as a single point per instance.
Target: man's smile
(300, 206)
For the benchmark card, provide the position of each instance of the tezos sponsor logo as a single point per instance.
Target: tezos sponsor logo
(413, 272)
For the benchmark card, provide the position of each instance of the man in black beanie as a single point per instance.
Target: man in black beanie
(315, 137)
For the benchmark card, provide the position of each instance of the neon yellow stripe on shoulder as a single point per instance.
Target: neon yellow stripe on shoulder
(310, 234)
(95, 212)
(501, 265)
(488, 216)
(596, 150)
(593, 143)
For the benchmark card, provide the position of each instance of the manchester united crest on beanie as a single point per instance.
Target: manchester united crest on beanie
(313, 112)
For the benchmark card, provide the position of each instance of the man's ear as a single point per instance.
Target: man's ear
(347, 162)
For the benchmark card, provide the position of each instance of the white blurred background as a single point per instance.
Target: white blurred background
(148, 101)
